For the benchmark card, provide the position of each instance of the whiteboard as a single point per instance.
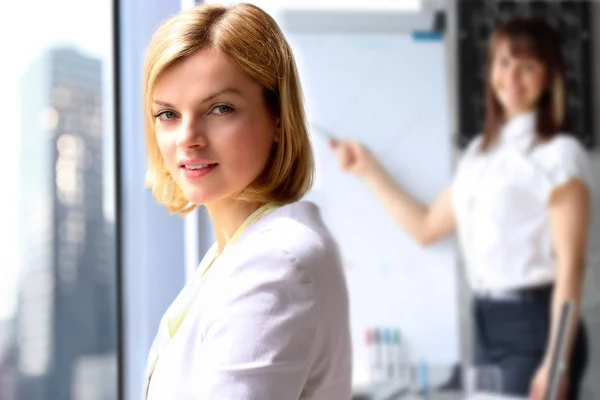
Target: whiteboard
(388, 91)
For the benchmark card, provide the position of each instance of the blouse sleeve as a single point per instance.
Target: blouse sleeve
(464, 169)
(564, 160)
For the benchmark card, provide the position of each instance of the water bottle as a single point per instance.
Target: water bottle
(390, 361)
(402, 361)
(375, 355)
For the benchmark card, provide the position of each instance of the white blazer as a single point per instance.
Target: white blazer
(269, 320)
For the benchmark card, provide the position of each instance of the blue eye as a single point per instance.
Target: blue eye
(222, 109)
(165, 115)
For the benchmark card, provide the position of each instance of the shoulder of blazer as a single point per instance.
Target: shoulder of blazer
(304, 241)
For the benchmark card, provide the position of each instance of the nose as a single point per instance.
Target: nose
(191, 133)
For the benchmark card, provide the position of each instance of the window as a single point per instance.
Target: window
(58, 285)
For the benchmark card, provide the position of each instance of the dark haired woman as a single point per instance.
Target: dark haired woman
(520, 204)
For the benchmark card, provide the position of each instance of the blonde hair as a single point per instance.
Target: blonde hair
(251, 39)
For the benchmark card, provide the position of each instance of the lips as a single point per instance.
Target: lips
(195, 171)
(196, 166)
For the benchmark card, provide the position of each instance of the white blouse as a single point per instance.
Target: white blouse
(500, 202)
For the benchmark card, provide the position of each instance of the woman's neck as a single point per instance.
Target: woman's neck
(516, 114)
(227, 216)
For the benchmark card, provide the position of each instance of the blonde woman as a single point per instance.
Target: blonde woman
(266, 316)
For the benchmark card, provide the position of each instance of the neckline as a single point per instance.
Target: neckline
(520, 130)
(176, 319)
(259, 213)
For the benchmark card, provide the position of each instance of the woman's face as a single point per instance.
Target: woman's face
(213, 128)
(517, 82)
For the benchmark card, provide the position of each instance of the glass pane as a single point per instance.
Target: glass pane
(58, 310)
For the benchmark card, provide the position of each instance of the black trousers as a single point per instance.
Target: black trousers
(512, 335)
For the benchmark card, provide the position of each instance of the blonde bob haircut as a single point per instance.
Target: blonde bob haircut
(252, 40)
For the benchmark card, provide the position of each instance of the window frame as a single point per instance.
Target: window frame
(151, 243)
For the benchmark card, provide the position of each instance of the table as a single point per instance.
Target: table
(435, 396)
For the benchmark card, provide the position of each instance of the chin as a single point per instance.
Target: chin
(207, 192)
(208, 196)
(201, 197)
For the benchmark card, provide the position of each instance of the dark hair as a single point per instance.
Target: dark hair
(535, 38)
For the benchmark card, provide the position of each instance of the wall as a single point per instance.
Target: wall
(152, 241)
(463, 295)
(591, 306)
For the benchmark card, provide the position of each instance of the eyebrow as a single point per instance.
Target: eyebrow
(212, 96)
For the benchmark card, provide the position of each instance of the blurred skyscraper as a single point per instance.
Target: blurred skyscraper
(66, 323)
